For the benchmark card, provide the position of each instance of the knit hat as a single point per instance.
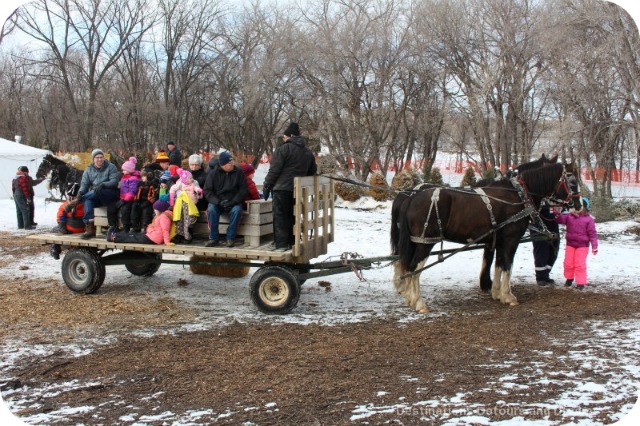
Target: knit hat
(195, 159)
(171, 143)
(247, 169)
(23, 169)
(162, 157)
(165, 177)
(173, 170)
(95, 152)
(130, 166)
(185, 175)
(224, 158)
(161, 206)
(586, 203)
(292, 130)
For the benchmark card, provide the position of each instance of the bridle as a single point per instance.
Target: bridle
(566, 183)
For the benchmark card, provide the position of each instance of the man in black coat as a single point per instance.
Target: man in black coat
(175, 156)
(225, 189)
(289, 160)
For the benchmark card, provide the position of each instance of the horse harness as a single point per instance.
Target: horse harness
(528, 210)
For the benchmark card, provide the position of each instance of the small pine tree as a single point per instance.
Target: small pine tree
(426, 172)
(489, 174)
(469, 177)
(435, 177)
(416, 176)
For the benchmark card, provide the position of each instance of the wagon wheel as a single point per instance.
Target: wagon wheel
(299, 268)
(143, 269)
(83, 270)
(274, 290)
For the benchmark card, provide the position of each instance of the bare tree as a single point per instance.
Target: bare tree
(353, 65)
(83, 39)
(590, 84)
(189, 30)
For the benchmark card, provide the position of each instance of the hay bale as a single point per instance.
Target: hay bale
(349, 192)
(402, 181)
(217, 270)
(379, 181)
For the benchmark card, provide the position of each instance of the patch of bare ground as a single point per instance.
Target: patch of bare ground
(314, 374)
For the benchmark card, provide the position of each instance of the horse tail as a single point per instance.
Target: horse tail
(396, 209)
(405, 247)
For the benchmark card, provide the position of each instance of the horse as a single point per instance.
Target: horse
(62, 175)
(397, 207)
(455, 214)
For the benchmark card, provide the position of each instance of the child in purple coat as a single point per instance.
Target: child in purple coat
(581, 231)
(129, 184)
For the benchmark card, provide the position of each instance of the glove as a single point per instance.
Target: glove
(225, 205)
(97, 188)
(28, 202)
(594, 251)
(266, 191)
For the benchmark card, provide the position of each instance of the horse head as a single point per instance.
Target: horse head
(556, 182)
(568, 191)
(44, 168)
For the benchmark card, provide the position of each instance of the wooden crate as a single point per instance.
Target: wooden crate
(256, 224)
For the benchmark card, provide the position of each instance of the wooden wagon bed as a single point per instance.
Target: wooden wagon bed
(274, 288)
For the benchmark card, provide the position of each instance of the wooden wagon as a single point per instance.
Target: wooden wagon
(274, 287)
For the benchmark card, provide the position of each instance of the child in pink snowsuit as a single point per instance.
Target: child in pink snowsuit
(581, 230)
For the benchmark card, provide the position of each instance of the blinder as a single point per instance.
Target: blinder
(567, 189)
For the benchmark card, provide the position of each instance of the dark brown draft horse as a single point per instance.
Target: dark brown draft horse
(500, 216)
(397, 206)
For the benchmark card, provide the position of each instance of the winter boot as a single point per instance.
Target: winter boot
(568, 283)
(90, 231)
(61, 228)
(55, 250)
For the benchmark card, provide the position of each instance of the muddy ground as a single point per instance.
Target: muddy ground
(289, 373)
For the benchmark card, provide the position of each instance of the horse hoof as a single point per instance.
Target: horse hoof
(511, 301)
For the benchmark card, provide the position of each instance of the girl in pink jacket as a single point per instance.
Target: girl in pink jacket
(581, 231)
(158, 231)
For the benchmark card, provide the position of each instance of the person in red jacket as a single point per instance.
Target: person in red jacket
(581, 231)
(22, 190)
(70, 222)
(253, 194)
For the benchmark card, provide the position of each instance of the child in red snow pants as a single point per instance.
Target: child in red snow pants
(575, 264)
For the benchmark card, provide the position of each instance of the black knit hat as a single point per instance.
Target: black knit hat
(23, 169)
(292, 130)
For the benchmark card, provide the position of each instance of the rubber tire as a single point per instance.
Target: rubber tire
(144, 269)
(83, 270)
(301, 268)
(274, 290)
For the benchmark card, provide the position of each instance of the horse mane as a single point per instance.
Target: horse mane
(542, 177)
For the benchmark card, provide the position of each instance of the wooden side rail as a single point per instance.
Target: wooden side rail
(256, 224)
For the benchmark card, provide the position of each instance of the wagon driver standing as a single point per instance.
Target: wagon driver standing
(289, 160)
